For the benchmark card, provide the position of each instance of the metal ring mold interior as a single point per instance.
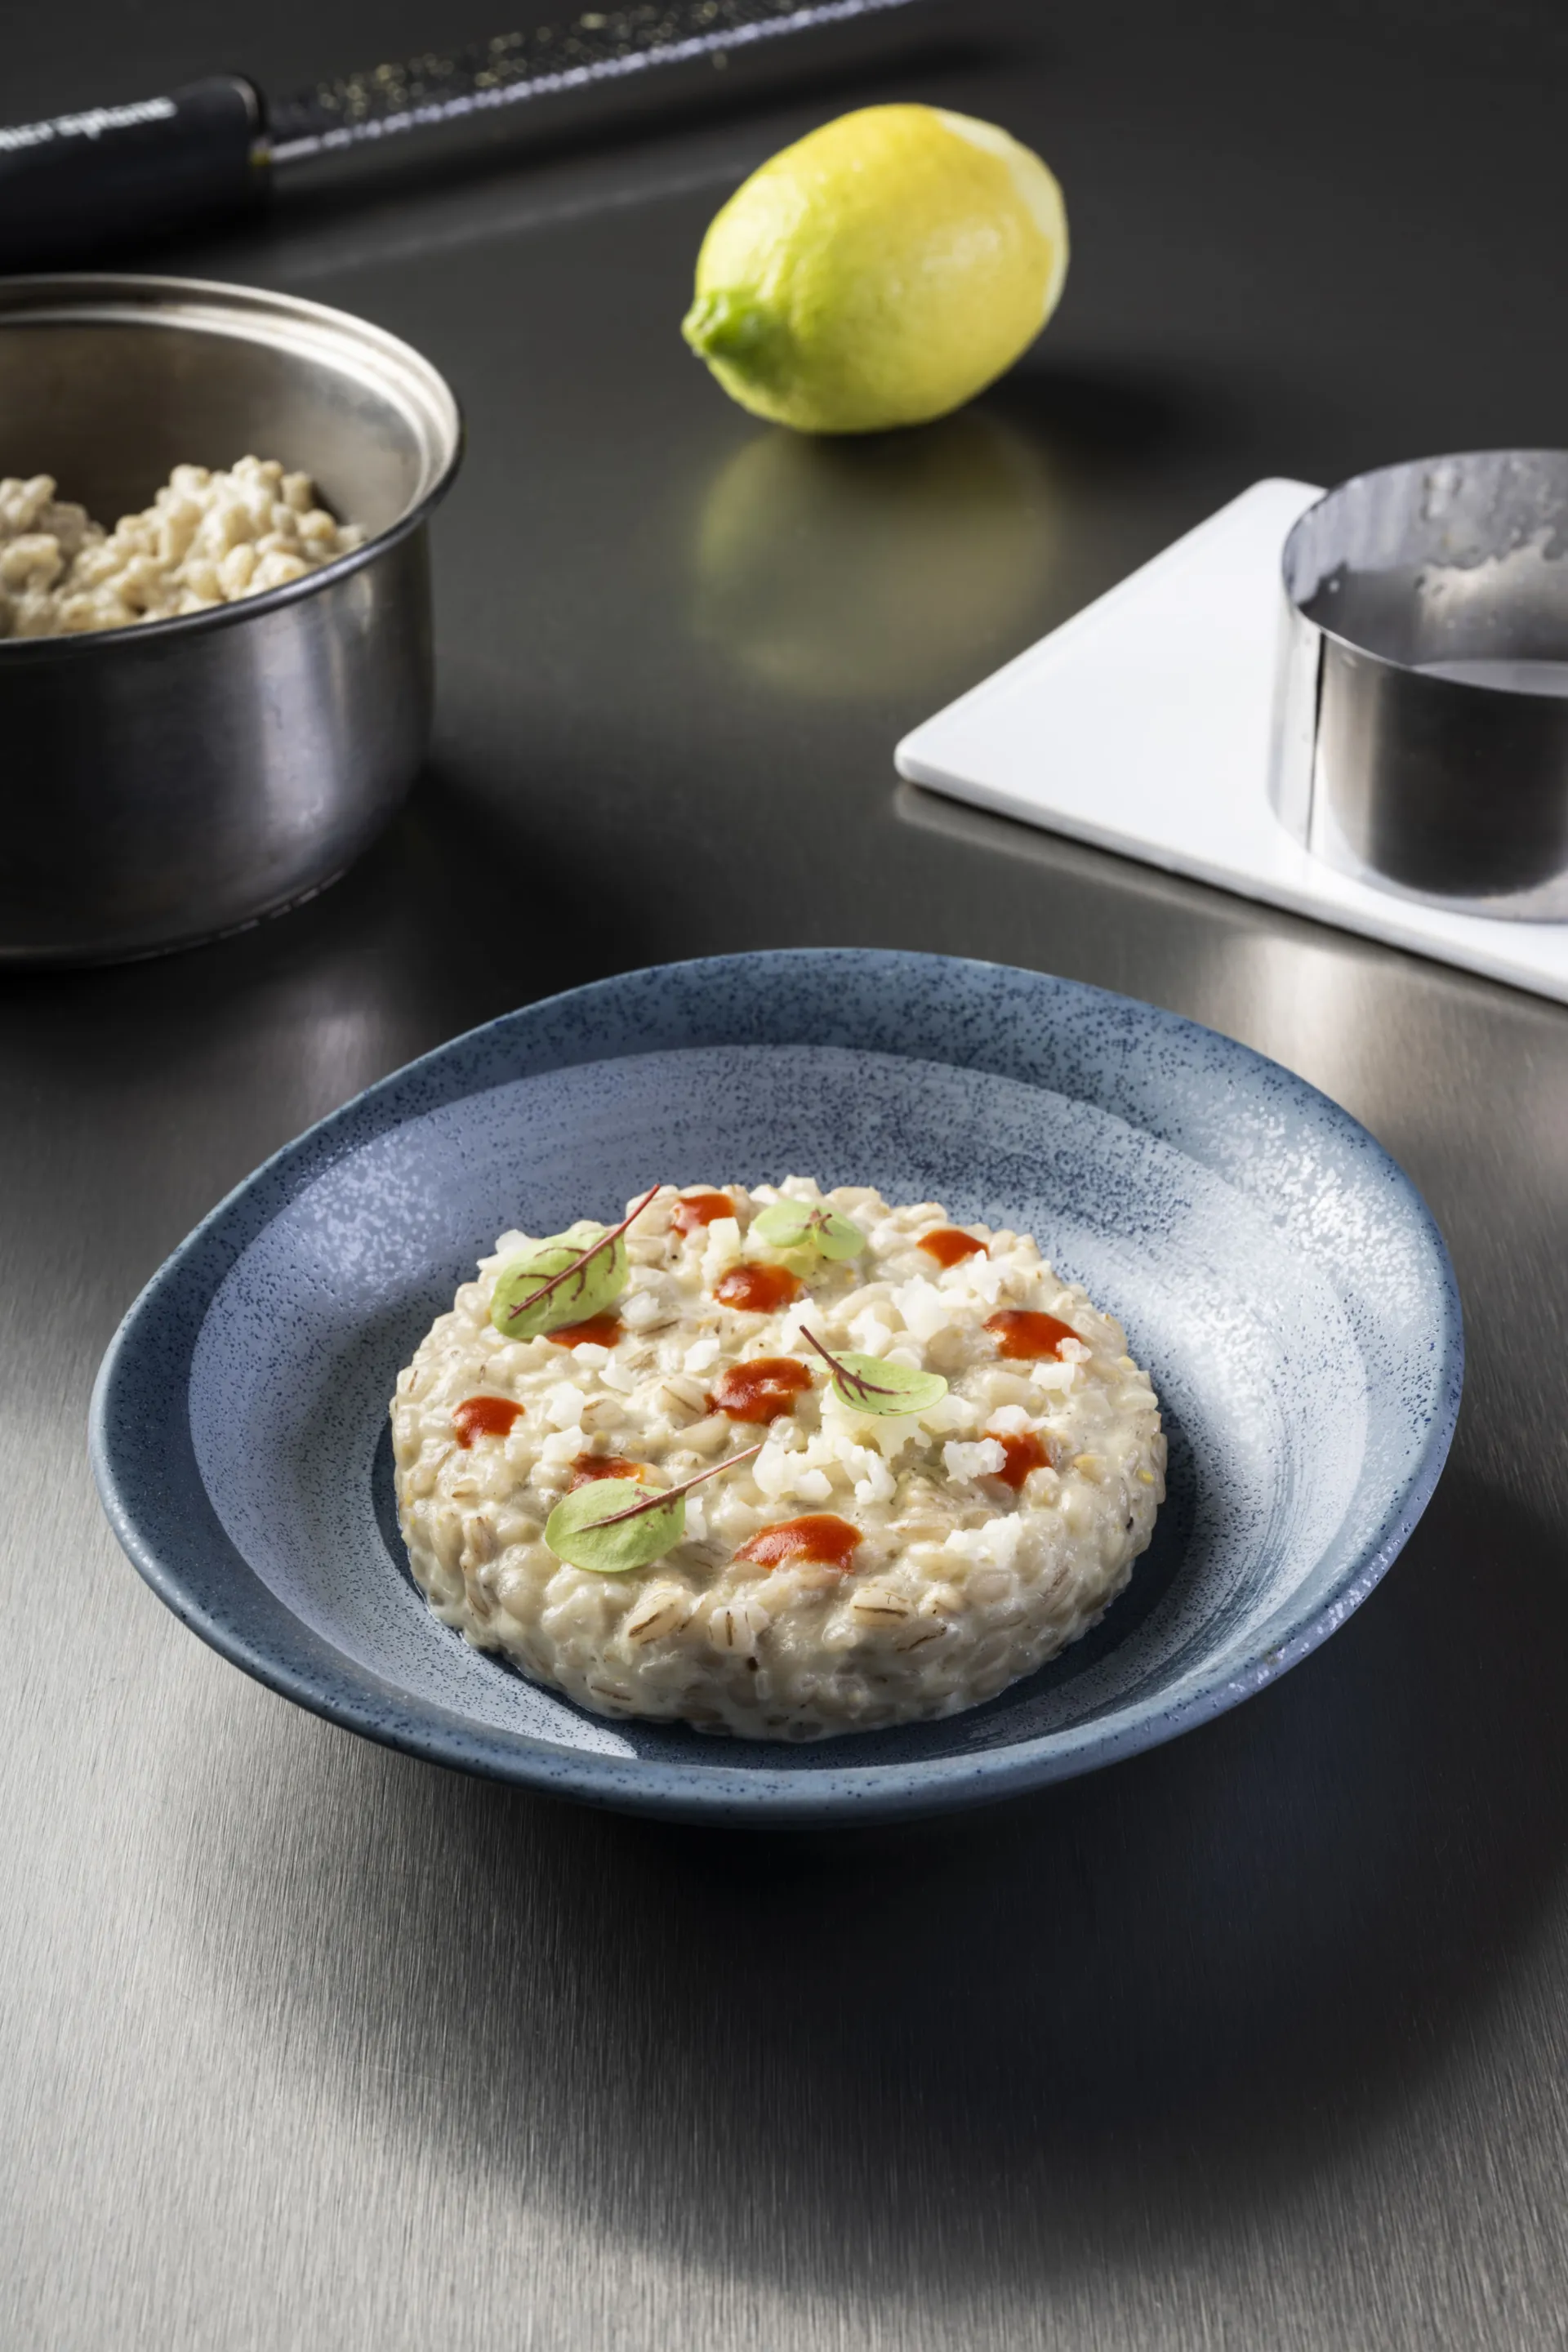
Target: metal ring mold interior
(1421, 715)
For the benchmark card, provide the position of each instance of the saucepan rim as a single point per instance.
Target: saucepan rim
(209, 305)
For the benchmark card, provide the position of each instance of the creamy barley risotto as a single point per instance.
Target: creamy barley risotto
(208, 538)
(776, 1463)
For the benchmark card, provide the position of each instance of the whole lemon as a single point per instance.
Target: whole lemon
(880, 272)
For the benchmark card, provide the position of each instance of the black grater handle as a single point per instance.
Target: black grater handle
(127, 175)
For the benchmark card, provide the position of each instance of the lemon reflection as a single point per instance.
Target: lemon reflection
(867, 567)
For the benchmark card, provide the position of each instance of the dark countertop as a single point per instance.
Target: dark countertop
(1257, 2041)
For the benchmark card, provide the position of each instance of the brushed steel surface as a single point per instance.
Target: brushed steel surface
(1257, 2042)
(175, 780)
(1421, 739)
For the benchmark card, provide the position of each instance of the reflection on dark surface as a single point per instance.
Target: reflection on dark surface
(863, 564)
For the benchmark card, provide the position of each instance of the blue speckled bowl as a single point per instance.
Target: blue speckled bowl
(1275, 1270)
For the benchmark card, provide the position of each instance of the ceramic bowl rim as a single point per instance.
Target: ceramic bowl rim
(732, 1790)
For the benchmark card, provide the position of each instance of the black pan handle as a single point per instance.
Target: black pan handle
(127, 175)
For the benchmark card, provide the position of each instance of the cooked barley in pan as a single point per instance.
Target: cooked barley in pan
(208, 538)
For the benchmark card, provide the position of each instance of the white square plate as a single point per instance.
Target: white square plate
(1143, 723)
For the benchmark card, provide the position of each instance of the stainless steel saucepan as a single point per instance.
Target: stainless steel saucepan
(168, 781)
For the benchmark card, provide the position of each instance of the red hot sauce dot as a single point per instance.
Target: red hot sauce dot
(484, 1416)
(760, 1389)
(822, 1538)
(589, 1466)
(758, 1289)
(598, 1331)
(1019, 1332)
(1024, 1453)
(698, 1208)
(949, 1246)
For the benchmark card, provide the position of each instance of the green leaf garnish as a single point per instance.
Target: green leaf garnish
(563, 1281)
(612, 1525)
(870, 1384)
(806, 1224)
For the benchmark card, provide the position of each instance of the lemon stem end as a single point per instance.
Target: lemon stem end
(733, 328)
